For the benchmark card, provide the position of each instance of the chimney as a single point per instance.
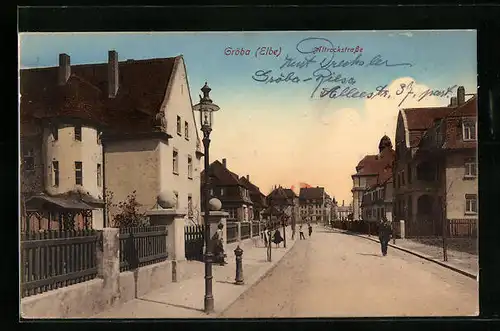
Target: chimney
(64, 68)
(453, 102)
(113, 81)
(248, 177)
(460, 95)
(342, 203)
(224, 163)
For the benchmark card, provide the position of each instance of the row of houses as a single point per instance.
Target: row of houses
(92, 135)
(430, 176)
(244, 201)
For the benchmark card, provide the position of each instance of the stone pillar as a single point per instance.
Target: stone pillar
(402, 229)
(174, 220)
(251, 229)
(108, 263)
(216, 217)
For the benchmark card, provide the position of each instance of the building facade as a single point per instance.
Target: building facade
(315, 204)
(377, 199)
(362, 180)
(258, 199)
(436, 166)
(128, 127)
(226, 186)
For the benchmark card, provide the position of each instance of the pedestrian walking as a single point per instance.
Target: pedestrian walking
(301, 233)
(310, 228)
(384, 235)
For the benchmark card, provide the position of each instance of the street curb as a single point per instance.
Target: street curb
(259, 279)
(460, 271)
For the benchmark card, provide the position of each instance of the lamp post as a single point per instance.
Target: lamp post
(206, 109)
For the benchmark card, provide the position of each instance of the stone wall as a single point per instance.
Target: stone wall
(111, 288)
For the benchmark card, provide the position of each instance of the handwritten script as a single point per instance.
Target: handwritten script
(318, 61)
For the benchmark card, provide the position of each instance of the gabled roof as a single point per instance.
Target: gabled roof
(142, 89)
(224, 176)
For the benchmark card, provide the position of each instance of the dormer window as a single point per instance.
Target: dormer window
(469, 130)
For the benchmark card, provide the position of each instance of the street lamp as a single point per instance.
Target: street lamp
(206, 109)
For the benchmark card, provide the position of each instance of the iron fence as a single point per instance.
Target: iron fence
(255, 229)
(194, 236)
(232, 232)
(55, 259)
(143, 245)
(463, 228)
(245, 230)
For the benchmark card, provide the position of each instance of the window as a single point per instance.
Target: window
(176, 200)
(99, 175)
(403, 178)
(470, 168)
(190, 167)
(98, 138)
(186, 130)
(469, 130)
(471, 204)
(409, 174)
(78, 132)
(29, 159)
(78, 173)
(55, 173)
(175, 162)
(190, 206)
(55, 132)
(179, 132)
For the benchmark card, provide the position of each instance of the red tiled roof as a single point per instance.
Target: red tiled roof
(311, 193)
(423, 118)
(142, 88)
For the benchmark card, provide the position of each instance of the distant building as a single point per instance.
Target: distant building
(315, 204)
(119, 127)
(257, 197)
(230, 190)
(377, 198)
(283, 200)
(435, 174)
(344, 211)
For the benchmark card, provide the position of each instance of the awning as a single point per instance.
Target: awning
(59, 202)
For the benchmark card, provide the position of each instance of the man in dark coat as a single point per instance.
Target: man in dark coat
(384, 235)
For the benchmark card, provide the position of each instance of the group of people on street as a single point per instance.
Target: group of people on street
(301, 231)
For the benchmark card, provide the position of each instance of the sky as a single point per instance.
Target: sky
(339, 92)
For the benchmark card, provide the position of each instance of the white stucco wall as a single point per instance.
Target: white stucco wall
(133, 165)
(179, 104)
(66, 150)
(457, 186)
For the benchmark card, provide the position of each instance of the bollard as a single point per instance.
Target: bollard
(238, 252)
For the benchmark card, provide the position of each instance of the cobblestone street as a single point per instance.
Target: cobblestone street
(333, 274)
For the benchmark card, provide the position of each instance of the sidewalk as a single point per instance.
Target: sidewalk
(185, 299)
(464, 263)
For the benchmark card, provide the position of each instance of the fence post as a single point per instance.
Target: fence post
(251, 229)
(108, 262)
(174, 220)
(402, 229)
(238, 229)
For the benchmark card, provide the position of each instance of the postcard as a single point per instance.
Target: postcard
(248, 174)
